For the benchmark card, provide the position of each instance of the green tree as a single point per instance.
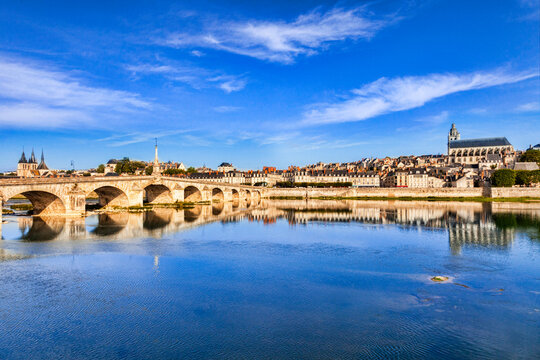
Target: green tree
(191, 170)
(149, 170)
(531, 156)
(100, 169)
(503, 178)
(126, 166)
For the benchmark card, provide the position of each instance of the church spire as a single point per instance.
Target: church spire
(23, 158)
(42, 165)
(32, 159)
(156, 169)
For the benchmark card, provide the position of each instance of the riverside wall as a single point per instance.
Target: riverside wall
(403, 192)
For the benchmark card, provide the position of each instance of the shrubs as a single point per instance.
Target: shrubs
(503, 178)
(531, 156)
(508, 177)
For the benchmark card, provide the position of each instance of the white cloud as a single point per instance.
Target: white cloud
(195, 77)
(197, 53)
(24, 82)
(226, 109)
(33, 95)
(281, 41)
(139, 137)
(229, 83)
(528, 107)
(390, 95)
(435, 119)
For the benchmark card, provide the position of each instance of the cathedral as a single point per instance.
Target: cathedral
(472, 151)
(30, 167)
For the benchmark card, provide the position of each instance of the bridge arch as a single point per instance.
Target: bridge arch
(158, 194)
(247, 195)
(217, 194)
(110, 196)
(256, 195)
(192, 194)
(235, 195)
(43, 202)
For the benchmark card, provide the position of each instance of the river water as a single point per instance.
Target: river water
(278, 279)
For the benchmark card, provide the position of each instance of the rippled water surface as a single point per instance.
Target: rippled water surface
(277, 279)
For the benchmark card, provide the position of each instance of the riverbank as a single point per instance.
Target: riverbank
(409, 194)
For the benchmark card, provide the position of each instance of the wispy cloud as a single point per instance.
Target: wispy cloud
(194, 76)
(529, 107)
(139, 137)
(281, 41)
(31, 94)
(226, 109)
(440, 118)
(391, 95)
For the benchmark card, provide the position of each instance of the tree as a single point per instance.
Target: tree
(100, 169)
(191, 170)
(149, 170)
(503, 178)
(531, 156)
(126, 166)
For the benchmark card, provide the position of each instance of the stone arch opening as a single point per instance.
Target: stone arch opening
(158, 194)
(111, 196)
(248, 195)
(217, 195)
(42, 202)
(192, 194)
(235, 195)
(256, 195)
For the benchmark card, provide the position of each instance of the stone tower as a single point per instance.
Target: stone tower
(452, 136)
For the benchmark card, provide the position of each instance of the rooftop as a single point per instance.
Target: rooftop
(497, 141)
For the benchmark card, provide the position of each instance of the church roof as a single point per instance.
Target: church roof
(42, 165)
(471, 143)
(23, 159)
(32, 159)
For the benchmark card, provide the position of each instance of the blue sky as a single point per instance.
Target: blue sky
(263, 83)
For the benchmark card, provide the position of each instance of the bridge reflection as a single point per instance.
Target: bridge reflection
(491, 225)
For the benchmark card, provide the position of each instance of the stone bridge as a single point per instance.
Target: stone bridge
(67, 196)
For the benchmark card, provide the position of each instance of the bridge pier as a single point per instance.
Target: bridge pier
(75, 202)
(227, 195)
(135, 197)
(177, 195)
(206, 194)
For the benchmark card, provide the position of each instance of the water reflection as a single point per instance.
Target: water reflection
(490, 225)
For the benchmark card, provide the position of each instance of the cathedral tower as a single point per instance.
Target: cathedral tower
(453, 135)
